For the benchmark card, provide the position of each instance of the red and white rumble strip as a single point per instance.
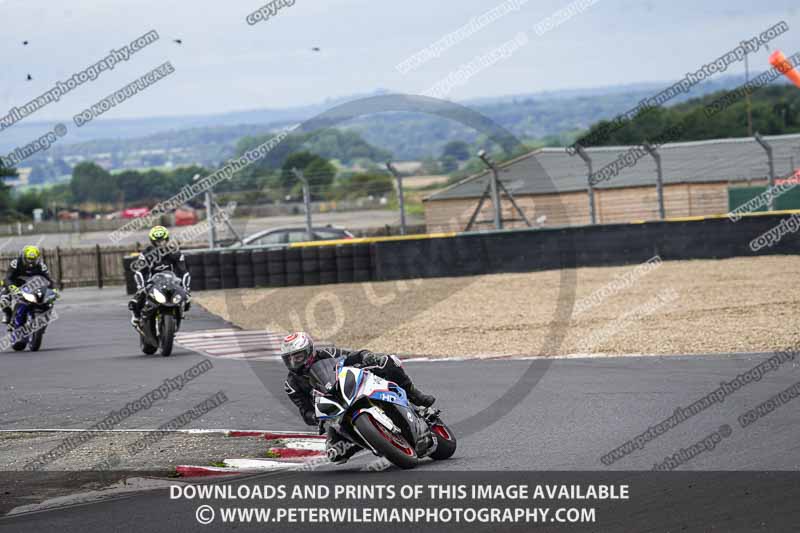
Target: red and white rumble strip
(233, 343)
(292, 450)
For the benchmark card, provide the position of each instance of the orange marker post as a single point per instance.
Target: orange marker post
(779, 61)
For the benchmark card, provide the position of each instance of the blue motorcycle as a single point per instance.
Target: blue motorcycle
(32, 312)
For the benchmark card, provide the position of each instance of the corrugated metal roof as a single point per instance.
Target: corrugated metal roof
(549, 170)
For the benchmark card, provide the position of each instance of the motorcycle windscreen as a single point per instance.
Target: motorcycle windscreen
(322, 375)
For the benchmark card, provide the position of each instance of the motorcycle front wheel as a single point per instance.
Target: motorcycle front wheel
(393, 447)
(446, 441)
(167, 334)
(36, 340)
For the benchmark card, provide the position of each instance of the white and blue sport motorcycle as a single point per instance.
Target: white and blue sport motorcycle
(375, 414)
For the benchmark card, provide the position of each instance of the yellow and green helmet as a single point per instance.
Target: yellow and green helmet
(31, 255)
(158, 234)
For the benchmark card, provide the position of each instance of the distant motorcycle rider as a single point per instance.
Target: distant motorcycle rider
(298, 354)
(160, 256)
(29, 263)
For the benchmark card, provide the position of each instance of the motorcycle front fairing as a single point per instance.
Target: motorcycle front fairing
(34, 299)
(21, 313)
(363, 392)
(165, 295)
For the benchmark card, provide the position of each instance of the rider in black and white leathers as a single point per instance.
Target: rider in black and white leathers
(156, 258)
(386, 366)
(19, 270)
(299, 389)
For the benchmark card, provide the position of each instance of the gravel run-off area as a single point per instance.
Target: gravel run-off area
(669, 307)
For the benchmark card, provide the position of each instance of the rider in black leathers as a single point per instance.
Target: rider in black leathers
(160, 256)
(29, 263)
(298, 354)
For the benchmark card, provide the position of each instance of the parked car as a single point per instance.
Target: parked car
(287, 235)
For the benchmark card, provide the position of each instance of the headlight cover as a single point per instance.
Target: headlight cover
(159, 296)
(29, 297)
(177, 298)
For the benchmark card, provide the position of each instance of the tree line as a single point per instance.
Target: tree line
(775, 110)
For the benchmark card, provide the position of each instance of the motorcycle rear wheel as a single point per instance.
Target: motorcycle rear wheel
(393, 447)
(19, 345)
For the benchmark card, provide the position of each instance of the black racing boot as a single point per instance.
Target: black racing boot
(338, 457)
(136, 314)
(338, 450)
(417, 397)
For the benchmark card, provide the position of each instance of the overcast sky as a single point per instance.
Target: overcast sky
(225, 64)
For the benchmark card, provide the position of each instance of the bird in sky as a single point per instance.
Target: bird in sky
(316, 49)
(30, 77)
(179, 41)
(25, 43)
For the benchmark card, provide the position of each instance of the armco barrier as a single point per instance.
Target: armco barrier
(468, 254)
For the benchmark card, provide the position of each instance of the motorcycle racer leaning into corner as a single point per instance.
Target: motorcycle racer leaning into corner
(160, 256)
(28, 263)
(298, 354)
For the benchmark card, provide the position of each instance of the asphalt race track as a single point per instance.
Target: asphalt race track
(90, 364)
(576, 410)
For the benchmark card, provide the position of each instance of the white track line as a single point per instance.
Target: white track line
(188, 431)
(258, 464)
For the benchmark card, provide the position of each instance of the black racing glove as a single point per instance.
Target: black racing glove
(374, 359)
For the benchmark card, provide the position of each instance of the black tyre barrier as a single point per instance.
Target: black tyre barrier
(327, 259)
(277, 280)
(344, 263)
(310, 265)
(276, 262)
(244, 268)
(227, 269)
(259, 259)
(360, 250)
(326, 278)
(194, 263)
(311, 278)
(362, 258)
(212, 270)
(276, 267)
(464, 256)
(362, 275)
(130, 282)
(491, 252)
(328, 272)
(293, 262)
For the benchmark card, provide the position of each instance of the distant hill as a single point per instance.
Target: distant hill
(552, 118)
